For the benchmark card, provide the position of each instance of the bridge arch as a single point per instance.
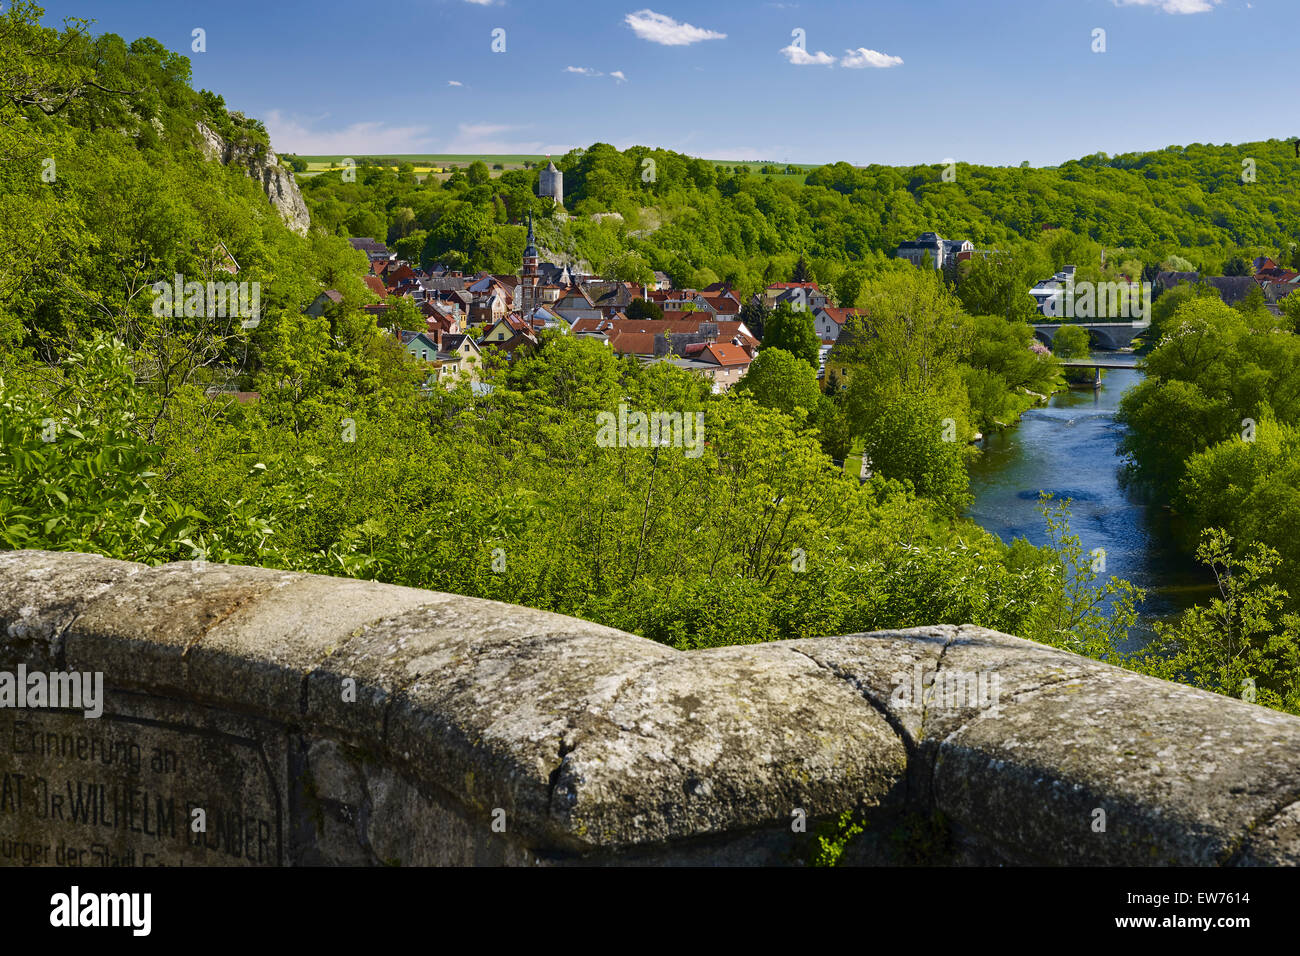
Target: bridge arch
(1111, 336)
(1100, 337)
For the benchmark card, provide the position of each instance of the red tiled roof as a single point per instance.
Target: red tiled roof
(731, 332)
(726, 355)
(376, 285)
(676, 323)
(590, 325)
(397, 275)
(513, 321)
(581, 293)
(724, 304)
(633, 343)
(837, 315)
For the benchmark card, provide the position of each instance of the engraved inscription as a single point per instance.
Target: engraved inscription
(123, 791)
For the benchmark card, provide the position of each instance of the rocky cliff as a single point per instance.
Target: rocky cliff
(264, 166)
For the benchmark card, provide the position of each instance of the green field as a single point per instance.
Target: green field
(435, 159)
(426, 164)
(441, 164)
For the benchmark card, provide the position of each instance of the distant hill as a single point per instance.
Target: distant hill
(731, 221)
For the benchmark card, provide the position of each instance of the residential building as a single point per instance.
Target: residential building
(836, 361)
(610, 297)
(459, 359)
(724, 365)
(576, 304)
(376, 250)
(829, 321)
(1231, 289)
(1050, 295)
(942, 252)
(323, 301)
(509, 333)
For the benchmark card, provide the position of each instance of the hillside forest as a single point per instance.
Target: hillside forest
(119, 436)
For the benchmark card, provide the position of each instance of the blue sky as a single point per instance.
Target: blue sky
(884, 81)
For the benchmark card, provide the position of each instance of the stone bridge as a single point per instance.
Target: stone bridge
(1103, 335)
(260, 717)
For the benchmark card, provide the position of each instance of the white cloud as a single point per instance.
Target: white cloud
(658, 28)
(862, 57)
(618, 75)
(801, 57)
(455, 83)
(1173, 6)
(291, 135)
(481, 3)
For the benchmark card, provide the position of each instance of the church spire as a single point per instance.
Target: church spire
(530, 251)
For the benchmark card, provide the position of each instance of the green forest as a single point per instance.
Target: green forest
(119, 435)
(700, 222)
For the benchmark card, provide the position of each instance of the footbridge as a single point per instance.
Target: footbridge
(1097, 367)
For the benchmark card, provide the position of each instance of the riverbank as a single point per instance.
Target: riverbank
(1069, 449)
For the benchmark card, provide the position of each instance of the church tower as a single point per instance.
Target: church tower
(530, 274)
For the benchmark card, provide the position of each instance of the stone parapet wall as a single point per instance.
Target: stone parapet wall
(311, 720)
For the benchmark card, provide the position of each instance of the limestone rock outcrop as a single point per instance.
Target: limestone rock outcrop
(277, 182)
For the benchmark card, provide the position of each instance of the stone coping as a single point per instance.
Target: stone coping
(603, 746)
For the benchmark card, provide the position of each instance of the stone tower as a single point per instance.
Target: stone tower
(550, 182)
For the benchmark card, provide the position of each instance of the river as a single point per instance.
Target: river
(1068, 448)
